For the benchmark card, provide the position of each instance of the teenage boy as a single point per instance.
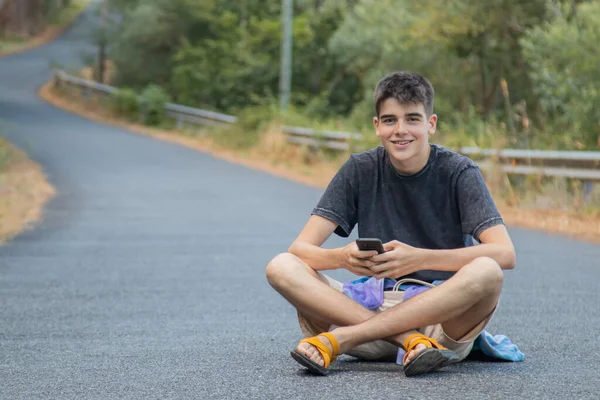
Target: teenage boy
(426, 204)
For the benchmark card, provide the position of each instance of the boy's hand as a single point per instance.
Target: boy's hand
(399, 259)
(356, 261)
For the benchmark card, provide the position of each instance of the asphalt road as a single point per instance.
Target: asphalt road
(146, 278)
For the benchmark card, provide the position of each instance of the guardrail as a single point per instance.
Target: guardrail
(191, 115)
(581, 165)
(323, 139)
(182, 114)
(86, 87)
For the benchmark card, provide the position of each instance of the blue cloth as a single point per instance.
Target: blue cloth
(368, 291)
(498, 347)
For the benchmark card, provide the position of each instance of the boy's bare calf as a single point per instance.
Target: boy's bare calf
(459, 304)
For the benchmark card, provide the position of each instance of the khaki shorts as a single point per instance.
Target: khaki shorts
(384, 351)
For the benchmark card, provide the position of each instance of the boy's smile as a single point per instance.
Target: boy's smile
(401, 144)
(404, 130)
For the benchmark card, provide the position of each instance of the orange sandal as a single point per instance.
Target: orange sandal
(329, 356)
(434, 357)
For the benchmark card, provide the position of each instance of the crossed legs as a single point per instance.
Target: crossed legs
(459, 304)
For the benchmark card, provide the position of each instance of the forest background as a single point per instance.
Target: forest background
(224, 55)
(523, 72)
(507, 73)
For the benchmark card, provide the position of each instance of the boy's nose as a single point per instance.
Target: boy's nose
(400, 128)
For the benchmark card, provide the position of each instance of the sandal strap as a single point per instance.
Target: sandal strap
(328, 354)
(418, 338)
(334, 343)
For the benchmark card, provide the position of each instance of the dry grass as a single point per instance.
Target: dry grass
(274, 155)
(23, 192)
(90, 74)
(554, 221)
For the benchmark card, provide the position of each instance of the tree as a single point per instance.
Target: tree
(224, 54)
(144, 44)
(26, 18)
(563, 66)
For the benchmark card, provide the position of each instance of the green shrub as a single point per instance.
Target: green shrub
(565, 74)
(152, 104)
(125, 102)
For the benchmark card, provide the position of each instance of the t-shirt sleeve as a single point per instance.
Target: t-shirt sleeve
(477, 209)
(339, 202)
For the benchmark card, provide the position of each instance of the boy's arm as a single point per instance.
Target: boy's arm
(401, 259)
(495, 244)
(480, 218)
(308, 248)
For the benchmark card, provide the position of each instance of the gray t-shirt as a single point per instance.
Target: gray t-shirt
(443, 206)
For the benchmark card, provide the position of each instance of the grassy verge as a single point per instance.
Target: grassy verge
(257, 141)
(55, 28)
(23, 191)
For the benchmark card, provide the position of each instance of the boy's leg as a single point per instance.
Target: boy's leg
(314, 298)
(459, 304)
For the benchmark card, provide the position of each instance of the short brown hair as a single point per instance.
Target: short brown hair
(406, 87)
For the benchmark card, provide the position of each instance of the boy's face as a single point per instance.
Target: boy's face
(404, 130)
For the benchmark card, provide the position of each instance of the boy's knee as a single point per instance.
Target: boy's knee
(485, 275)
(279, 268)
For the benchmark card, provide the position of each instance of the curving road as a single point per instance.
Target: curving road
(146, 278)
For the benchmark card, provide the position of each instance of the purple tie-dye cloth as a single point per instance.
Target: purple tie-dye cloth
(366, 291)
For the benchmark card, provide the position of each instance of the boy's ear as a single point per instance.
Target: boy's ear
(432, 123)
(376, 123)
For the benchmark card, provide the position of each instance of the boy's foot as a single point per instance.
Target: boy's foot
(413, 353)
(311, 351)
(425, 354)
(317, 353)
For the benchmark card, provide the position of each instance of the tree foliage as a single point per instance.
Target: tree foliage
(225, 54)
(26, 18)
(565, 71)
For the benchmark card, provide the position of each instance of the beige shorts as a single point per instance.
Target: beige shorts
(384, 351)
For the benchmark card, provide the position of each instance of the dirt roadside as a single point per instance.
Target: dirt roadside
(553, 221)
(23, 192)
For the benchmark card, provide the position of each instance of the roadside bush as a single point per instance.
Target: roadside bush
(152, 104)
(125, 103)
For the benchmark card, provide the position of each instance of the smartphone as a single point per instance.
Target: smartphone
(368, 244)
